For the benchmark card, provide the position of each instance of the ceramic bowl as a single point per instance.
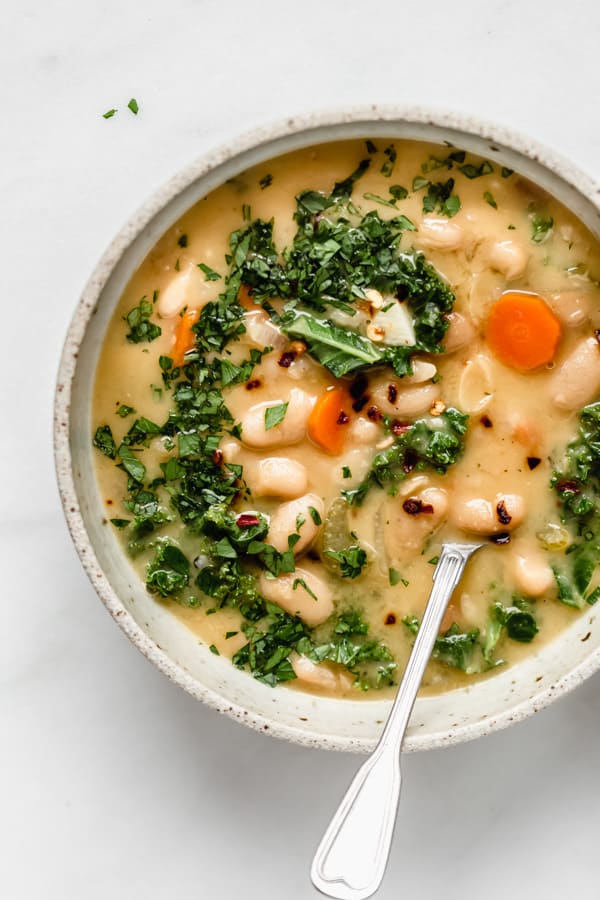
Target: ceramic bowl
(335, 724)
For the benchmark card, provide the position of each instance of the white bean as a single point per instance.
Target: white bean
(277, 476)
(571, 307)
(284, 522)
(364, 432)
(477, 515)
(440, 234)
(319, 675)
(185, 289)
(460, 332)
(476, 384)
(406, 527)
(392, 399)
(576, 379)
(299, 601)
(290, 431)
(509, 258)
(532, 574)
(423, 370)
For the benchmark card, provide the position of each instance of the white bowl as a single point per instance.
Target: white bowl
(336, 724)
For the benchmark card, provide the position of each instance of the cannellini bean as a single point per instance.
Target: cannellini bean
(364, 432)
(576, 379)
(440, 234)
(319, 674)
(298, 601)
(460, 332)
(571, 307)
(476, 384)
(284, 522)
(186, 288)
(230, 448)
(291, 430)
(423, 370)
(406, 528)
(532, 574)
(508, 257)
(480, 516)
(277, 476)
(393, 399)
(262, 332)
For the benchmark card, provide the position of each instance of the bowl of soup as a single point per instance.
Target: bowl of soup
(312, 358)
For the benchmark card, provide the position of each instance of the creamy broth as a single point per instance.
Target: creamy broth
(507, 236)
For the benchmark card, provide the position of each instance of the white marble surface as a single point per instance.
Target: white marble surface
(115, 784)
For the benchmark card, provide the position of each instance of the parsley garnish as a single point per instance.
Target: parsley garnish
(141, 328)
(210, 274)
(274, 415)
(489, 198)
(109, 113)
(265, 182)
(351, 561)
(104, 441)
(133, 106)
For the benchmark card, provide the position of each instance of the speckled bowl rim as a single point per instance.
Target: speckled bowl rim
(417, 115)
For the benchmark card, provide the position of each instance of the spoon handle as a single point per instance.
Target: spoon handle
(350, 861)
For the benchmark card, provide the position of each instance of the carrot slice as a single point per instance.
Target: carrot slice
(184, 336)
(329, 419)
(522, 331)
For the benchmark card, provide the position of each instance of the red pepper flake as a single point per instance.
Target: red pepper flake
(286, 359)
(533, 462)
(109, 502)
(343, 418)
(486, 421)
(414, 507)
(568, 487)
(390, 619)
(503, 537)
(502, 513)
(374, 414)
(252, 385)
(246, 520)
(392, 393)
(217, 457)
(398, 428)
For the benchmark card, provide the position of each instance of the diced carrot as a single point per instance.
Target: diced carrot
(184, 336)
(522, 330)
(245, 298)
(329, 420)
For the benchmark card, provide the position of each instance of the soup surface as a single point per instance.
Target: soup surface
(332, 364)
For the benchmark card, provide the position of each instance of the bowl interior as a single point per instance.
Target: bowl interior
(339, 724)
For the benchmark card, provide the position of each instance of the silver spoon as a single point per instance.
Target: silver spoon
(350, 861)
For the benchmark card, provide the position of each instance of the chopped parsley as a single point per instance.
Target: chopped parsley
(351, 560)
(266, 181)
(141, 328)
(210, 274)
(274, 415)
(109, 113)
(489, 198)
(133, 106)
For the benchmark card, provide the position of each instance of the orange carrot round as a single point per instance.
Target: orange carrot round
(329, 420)
(522, 331)
(184, 336)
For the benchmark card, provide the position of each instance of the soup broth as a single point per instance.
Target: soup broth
(329, 366)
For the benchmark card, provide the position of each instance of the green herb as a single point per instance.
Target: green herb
(182, 241)
(351, 560)
(265, 182)
(109, 113)
(541, 228)
(103, 440)
(377, 199)
(315, 516)
(346, 473)
(300, 582)
(371, 148)
(246, 212)
(120, 523)
(343, 189)
(274, 415)
(455, 647)
(125, 410)
(433, 561)
(505, 172)
(394, 577)
(214, 650)
(141, 328)
(398, 192)
(131, 463)
(388, 166)
(339, 350)
(439, 196)
(471, 171)
(489, 198)
(210, 274)
(168, 572)
(133, 106)
(435, 443)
